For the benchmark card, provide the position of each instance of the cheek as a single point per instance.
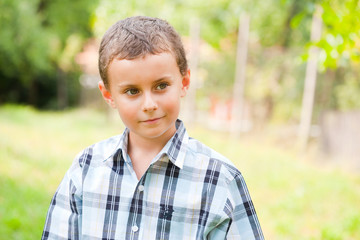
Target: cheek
(126, 110)
(172, 103)
(129, 118)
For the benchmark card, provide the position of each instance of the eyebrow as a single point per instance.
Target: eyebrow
(162, 79)
(130, 85)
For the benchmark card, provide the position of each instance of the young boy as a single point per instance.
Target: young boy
(153, 181)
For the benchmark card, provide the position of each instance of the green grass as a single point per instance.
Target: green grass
(294, 198)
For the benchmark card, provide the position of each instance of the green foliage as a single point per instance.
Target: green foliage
(39, 38)
(269, 20)
(221, 17)
(340, 43)
(23, 40)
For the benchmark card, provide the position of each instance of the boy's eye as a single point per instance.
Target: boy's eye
(132, 91)
(162, 86)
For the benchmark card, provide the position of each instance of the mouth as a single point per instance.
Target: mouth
(152, 120)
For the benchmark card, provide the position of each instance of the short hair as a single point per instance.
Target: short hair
(136, 37)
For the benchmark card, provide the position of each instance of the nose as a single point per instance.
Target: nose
(149, 103)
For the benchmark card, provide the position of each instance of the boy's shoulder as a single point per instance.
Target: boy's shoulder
(99, 151)
(199, 153)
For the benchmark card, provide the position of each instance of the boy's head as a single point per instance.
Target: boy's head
(144, 71)
(137, 37)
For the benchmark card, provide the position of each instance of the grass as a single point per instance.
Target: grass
(294, 198)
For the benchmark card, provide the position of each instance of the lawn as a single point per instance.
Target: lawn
(294, 197)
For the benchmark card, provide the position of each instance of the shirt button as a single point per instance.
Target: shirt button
(141, 188)
(135, 228)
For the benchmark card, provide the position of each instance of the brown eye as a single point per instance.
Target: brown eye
(162, 86)
(132, 91)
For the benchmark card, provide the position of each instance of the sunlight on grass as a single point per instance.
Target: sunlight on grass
(294, 199)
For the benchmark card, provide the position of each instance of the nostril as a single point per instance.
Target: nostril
(149, 104)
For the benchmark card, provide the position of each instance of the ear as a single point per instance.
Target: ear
(106, 94)
(185, 83)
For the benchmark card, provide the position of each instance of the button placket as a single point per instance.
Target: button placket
(134, 228)
(141, 188)
(137, 206)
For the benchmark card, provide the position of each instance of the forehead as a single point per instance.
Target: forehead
(149, 67)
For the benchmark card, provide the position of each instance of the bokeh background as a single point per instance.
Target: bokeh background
(275, 88)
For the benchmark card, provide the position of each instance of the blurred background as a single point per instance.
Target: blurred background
(275, 87)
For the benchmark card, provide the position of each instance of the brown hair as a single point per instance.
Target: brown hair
(136, 37)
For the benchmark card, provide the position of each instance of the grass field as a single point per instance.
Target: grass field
(294, 198)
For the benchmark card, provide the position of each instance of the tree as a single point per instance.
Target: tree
(39, 41)
(341, 38)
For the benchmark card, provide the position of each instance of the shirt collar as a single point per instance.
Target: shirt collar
(174, 149)
(177, 145)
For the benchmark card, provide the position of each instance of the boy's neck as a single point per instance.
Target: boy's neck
(142, 150)
(146, 145)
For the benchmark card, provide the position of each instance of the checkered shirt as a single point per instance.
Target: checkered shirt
(188, 192)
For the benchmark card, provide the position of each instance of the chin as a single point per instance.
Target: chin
(161, 131)
(155, 134)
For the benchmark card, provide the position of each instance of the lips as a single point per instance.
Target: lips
(152, 120)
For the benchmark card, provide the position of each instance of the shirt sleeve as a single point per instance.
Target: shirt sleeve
(241, 221)
(244, 223)
(63, 219)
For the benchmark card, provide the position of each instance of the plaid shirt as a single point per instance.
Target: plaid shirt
(188, 192)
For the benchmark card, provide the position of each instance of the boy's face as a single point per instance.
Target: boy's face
(146, 92)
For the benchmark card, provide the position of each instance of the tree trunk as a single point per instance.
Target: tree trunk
(310, 82)
(238, 94)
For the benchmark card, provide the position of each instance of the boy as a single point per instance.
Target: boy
(153, 181)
